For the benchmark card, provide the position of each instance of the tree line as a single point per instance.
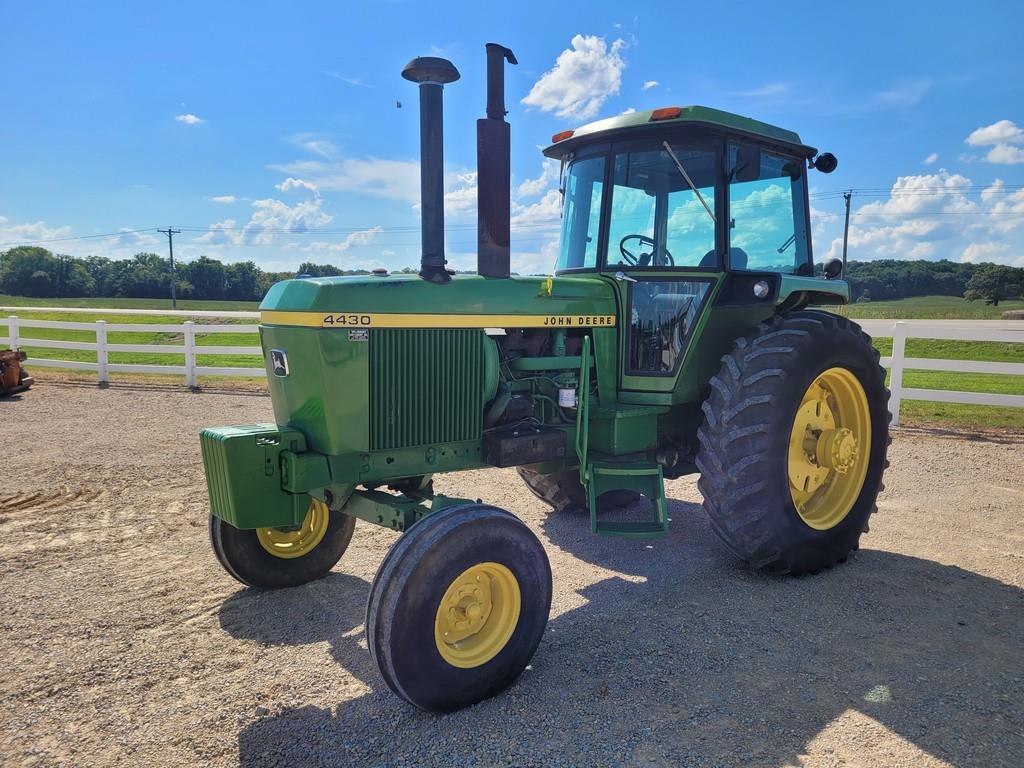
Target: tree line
(34, 271)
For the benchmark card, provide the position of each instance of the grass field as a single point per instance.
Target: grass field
(183, 304)
(913, 412)
(931, 308)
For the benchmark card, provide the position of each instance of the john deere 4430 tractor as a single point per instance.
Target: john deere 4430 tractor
(675, 337)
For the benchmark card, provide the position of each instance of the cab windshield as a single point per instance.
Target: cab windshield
(662, 202)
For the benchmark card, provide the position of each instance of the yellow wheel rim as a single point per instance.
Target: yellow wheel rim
(829, 449)
(477, 615)
(295, 542)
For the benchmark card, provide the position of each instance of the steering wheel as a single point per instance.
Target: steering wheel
(631, 258)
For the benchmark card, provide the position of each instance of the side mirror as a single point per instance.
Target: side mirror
(826, 162)
(747, 166)
(833, 268)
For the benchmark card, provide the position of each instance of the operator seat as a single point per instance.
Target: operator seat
(737, 259)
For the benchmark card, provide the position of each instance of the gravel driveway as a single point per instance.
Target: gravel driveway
(123, 643)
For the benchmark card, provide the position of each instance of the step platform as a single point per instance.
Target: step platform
(643, 479)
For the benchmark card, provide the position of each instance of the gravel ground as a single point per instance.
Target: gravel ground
(123, 643)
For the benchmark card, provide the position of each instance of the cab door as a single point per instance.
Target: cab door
(661, 251)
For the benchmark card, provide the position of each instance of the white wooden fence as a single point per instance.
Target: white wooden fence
(962, 330)
(103, 367)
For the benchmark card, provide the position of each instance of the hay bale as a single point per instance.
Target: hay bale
(1013, 314)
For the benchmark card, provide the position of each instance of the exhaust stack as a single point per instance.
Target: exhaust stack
(493, 158)
(432, 74)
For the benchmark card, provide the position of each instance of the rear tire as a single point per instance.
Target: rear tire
(563, 491)
(474, 571)
(242, 554)
(769, 506)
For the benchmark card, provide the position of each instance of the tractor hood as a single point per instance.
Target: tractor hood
(468, 301)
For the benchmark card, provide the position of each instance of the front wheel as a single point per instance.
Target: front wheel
(794, 442)
(458, 607)
(273, 558)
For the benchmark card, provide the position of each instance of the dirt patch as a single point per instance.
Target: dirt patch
(123, 643)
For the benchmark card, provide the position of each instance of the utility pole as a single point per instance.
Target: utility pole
(846, 229)
(172, 232)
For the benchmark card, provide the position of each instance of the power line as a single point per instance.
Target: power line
(963, 190)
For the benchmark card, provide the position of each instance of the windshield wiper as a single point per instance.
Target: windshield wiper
(686, 176)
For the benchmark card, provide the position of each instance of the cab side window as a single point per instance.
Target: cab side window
(767, 209)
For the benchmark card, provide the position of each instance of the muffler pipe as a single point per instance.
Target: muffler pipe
(432, 74)
(494, 179)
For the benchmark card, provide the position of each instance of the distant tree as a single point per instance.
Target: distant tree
(995, 283)
(28, 271)
(865, 296)
(207, 276)
(242, 282)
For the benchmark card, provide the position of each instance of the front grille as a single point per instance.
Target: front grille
(426, 386)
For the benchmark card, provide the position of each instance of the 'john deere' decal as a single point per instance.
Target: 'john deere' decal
(388, 320)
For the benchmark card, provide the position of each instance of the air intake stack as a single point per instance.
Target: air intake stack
(493, 152)
(432, 74)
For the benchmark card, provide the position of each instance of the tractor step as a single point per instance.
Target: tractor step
(645, 479)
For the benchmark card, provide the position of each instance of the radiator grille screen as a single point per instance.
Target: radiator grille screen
(426, 386)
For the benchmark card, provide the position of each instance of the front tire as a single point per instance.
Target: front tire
(794, 440)
(458, 607)
(274, 558)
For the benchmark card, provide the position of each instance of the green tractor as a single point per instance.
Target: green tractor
(675, 337)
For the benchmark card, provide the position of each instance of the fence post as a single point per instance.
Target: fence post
(12, 322)
(102, 357)
(191, 379)
(899, 349)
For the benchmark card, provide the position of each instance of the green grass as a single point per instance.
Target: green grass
(183, 304)
(931, 308)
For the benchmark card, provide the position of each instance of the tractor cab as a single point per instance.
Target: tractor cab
(681, 207)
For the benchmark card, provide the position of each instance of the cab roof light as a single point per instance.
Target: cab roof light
(666, 113)
(561, 136)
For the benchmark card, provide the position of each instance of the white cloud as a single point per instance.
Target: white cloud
(1005, 154)
(357, 81)
(225, 199)
(189, 119)
(462, 198)
(548, 176)
(269, 218)
(648, 84)
(134, 240)
(295, 185)
(391, 179)
(584, 76)
(355, 239)
(1000, 132)
(13, 234)
(931, 159)
(978, 252)
(934, 216)
(314, 144)
(628, 111)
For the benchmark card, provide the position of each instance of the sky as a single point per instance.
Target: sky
(272, 132)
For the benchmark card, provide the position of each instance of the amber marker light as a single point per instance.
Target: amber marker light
(666, 113)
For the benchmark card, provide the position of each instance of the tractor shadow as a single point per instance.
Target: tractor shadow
(681, 656)
(329, 610)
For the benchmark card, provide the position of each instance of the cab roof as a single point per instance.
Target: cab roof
(666, 117)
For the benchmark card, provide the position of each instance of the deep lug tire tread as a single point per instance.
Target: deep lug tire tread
(745, 434)
(563, 491)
